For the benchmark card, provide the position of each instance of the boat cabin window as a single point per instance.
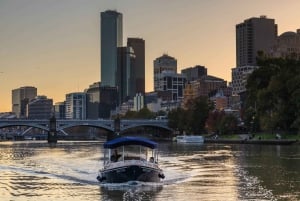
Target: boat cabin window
(132, 152)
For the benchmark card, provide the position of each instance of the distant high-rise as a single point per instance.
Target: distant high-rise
(125, 74)
(165, 63)
(194, 73)
(93, 101)
(111, 38)
(138, 66)
(254, 35)
(20, 99)
(76, 105)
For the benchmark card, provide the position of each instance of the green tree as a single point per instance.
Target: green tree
(273, 91)
(192, 119)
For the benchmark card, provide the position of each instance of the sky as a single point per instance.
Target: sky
(54, 45)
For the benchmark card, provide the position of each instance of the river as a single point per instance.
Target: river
(33, 170)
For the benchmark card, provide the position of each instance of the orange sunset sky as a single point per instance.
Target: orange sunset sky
(54, 45)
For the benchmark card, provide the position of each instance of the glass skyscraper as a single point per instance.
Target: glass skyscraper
(111, 39)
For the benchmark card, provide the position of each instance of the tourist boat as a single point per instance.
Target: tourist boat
(129, 159)
(190, 139)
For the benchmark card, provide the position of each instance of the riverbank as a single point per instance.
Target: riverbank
(246, 141)
(258, 138)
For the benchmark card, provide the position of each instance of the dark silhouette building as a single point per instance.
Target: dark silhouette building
(138, 65)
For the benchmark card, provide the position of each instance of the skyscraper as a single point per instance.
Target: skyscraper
(111, 38)
(138, 66)
(254, 35)
(125, 73)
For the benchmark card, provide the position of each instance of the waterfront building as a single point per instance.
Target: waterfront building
(194, 73)
(172, 82)
(287, 45)
(76, 105)
(252, 36)
(161, 64)
(60, 110)
(40, 108)
(111, 39)
(138, 65)
(20, 98)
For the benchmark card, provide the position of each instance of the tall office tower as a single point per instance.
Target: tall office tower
(76, 105)
(194, 73)
(161, 64)
(254, 35)
(111, 38)
(138, 66)
(20, 99)
(40, 108)
(125, 74)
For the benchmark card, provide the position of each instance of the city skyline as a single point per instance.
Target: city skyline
(54, 45)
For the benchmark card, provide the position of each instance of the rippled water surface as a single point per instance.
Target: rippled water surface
(36, 171)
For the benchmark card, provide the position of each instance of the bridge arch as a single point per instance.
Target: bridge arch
(145, 124)
(61, 128)
(45, 128)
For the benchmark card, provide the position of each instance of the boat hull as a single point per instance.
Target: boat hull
(130, 173)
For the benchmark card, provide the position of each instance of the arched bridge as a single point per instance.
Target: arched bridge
(103, 123)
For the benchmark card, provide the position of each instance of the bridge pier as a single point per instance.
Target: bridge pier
(52, 133)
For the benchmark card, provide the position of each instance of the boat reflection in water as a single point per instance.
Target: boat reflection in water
(130, 159)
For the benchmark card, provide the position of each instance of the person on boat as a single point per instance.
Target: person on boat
(115, 157)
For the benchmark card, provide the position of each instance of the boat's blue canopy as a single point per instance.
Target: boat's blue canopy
(123, 141)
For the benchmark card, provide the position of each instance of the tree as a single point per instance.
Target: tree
(273, 90)
(191, 120)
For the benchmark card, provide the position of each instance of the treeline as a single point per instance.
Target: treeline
(273, 95)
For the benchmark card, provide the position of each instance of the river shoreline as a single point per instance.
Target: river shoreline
(246, 141)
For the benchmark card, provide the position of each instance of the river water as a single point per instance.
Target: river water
(33, 170)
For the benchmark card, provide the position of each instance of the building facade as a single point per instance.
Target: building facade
(239, 78)
(40, 108)
(207, 86)
(287, 45)
(108, 101)
(20, 98)
(172, 82)
(138, 102)
(111, 38)
(161, 64)
(138, 65)
(252, 36)
(76, 105)
(93, 101)
(194, 73)
(125, 74)
(60, 110)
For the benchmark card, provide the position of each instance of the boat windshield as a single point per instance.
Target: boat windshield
(131, 152)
